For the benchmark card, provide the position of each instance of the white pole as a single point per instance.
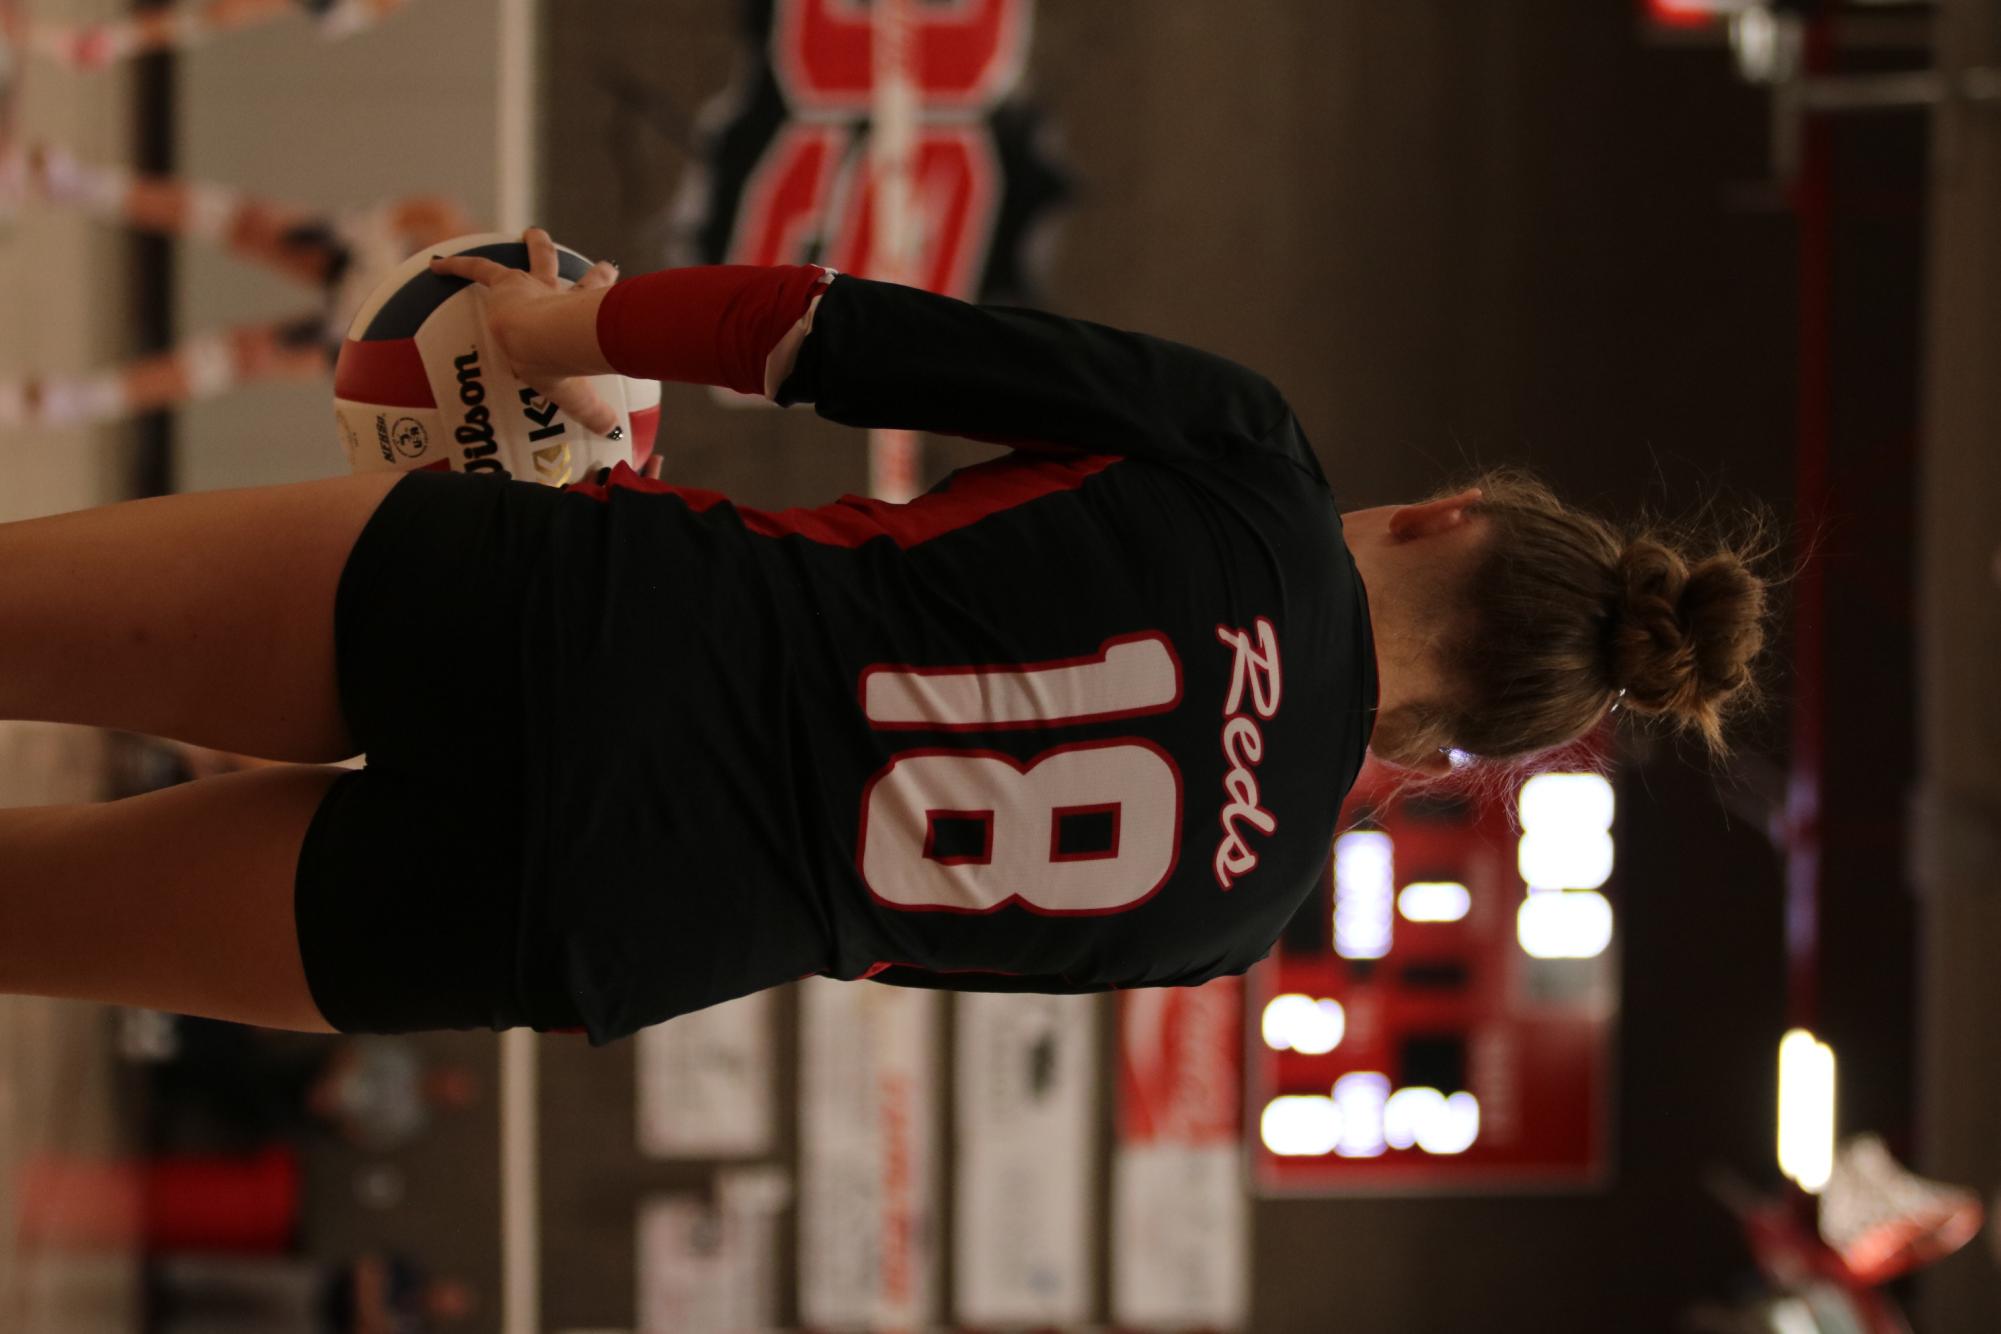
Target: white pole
(515, 143)
(520, 1193)
(515, 204)
(892, 149)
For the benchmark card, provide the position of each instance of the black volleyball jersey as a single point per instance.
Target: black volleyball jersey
(1080, 717)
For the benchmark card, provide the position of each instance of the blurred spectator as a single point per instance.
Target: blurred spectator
(341, 255)
(378, 1293)
(378, 1094)
(168, 27)
(224, 1087)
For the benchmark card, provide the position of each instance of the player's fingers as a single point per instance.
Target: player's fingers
(603, 274)
(586, 407)
(542, 264)
(482, 271)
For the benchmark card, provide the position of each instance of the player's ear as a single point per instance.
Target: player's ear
(1428, 518)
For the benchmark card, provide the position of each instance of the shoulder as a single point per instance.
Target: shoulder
(1286, 438)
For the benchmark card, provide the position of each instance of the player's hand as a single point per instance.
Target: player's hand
(546, 331)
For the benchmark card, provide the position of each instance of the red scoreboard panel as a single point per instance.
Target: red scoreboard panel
(1440, 1016)
(1695, 14)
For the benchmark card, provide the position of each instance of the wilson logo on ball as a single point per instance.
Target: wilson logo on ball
(420, 376)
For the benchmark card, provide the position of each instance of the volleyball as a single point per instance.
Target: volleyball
(421, 384)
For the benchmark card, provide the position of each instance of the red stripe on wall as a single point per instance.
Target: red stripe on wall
(974, 493)
(1814, 202)
(388, 372)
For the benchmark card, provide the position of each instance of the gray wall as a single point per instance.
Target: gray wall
(405, 108)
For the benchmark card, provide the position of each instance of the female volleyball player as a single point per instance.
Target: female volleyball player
(1080, 717)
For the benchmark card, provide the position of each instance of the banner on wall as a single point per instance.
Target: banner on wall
(1180, 1219)
(869, 1100)
(712, 1264)
(705, 1082)
(1026, 1079)
(786, 176)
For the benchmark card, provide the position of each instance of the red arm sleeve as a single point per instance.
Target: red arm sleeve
(712, 324)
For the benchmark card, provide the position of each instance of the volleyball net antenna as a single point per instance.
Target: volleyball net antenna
(517, 165)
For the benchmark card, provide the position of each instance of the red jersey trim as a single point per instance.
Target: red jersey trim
(983, 857)
(884, 965)
(973, 494)
(1115, 809)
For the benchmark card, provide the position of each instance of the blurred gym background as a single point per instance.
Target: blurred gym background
(1656, 249)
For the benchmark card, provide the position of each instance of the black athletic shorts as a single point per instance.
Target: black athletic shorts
(514, 854)
(411, 902)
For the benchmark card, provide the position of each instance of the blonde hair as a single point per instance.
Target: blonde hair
(1566, 616)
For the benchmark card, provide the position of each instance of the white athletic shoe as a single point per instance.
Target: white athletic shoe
(56, 175)
(85, 400)
(86, 47)
(1885, 1220)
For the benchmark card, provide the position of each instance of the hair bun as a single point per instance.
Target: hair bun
(1684, 636)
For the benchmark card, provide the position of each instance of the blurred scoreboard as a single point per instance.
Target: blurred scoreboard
(1441, 1015)
(1695, 13)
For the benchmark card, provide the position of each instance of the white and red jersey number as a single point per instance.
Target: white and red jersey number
(1023, 804)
